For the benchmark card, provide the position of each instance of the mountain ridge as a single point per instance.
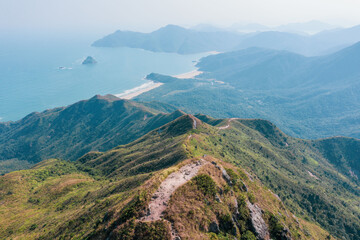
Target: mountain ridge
(100, 123)
(115, 188)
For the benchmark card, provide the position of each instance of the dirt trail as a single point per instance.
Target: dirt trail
(228, 125)
(194, 123)
(160, 199)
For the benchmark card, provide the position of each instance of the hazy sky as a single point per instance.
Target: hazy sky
(103, 16)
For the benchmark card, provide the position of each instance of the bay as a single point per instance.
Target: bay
(40, 74)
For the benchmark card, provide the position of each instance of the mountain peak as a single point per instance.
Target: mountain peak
(107, 97)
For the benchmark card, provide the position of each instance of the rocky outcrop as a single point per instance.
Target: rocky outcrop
(226, 176)
(258, 224)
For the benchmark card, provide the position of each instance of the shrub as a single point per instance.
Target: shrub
(225, 222)
(205, 184)
(248, 236)
(33, 227)
(275, 226)
(152, 231)
(251, 198)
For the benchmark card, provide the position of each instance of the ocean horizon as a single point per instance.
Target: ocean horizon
(46, 73)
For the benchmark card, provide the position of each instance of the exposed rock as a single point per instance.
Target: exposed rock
(89, 60)
(217, 198)
(159, 201)
(226, 176)
(259, 226)
(244, 187)
(214, 227)
(236, 206)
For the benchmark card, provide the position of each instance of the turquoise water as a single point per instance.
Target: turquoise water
(30, 78)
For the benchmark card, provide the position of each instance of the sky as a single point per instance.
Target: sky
(104, 16)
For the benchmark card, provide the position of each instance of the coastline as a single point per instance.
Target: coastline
(134, 92)
(150, 85)
(187, 75)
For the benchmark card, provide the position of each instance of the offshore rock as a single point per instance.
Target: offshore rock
(89, 60)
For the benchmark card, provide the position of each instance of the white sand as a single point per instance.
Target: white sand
(129, 94)
(187, 75)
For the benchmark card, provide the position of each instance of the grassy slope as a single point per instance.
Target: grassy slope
(107, 190)
(192, 209)
(97, 124)
(70, 199)
(282, 163)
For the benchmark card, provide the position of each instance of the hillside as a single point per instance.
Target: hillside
(177, 39)
(97, 124)
(312, 97)
(230, 172)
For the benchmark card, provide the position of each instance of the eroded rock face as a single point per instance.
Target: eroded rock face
(259, 226)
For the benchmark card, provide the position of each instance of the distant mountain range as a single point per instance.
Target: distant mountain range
(172, 39)
(311, 27)
(309, 97)
(186, 41)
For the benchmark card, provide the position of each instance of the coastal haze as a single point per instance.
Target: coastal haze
(43, 43)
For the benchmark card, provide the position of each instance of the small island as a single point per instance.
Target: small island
(89, 60)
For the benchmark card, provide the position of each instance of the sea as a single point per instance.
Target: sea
(43, 73)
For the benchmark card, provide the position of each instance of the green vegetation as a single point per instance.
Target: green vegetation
(248, 236)
(152, 231)
(318, 192)
(77, 200)
(275, 227)
(160, 78)
(306, 97)
(205, 184)
(105, 194)
(97, 124)
(13, 165)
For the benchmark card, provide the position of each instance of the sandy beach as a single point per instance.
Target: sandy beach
(131, 93)
(187, 75)
(139, 90)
